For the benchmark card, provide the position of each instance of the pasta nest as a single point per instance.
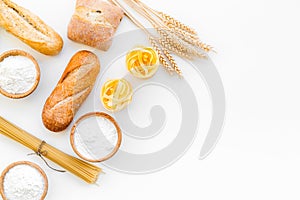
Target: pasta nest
(142, 62)
(116, 94)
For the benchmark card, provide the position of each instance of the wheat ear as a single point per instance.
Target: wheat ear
(172, 20)
(160, 55)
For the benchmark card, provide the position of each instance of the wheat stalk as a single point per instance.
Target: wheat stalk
(171, 20)
(168, 41)
(191, 39)
(167, 19)
(175, 28)
(173, 62)
(172, 35)
(182, 44)
(167, 25)
(174, 49)
(155, 44)
(160, 55)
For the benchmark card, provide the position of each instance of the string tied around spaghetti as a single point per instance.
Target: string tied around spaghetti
(41, 154)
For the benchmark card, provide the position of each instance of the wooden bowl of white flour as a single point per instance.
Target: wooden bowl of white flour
(23, 181)
(19, 74)
(96, 137)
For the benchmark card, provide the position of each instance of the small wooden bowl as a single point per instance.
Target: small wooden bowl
(2, 192)
(25, 54)
(96, 114)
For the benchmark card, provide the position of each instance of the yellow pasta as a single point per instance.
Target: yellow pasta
(142, 62)
(116, 94)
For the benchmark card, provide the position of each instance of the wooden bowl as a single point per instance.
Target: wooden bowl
(25, 54)
(96, 114)
(2, 192)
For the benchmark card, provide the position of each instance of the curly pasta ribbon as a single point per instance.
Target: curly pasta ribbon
(116, 94)
(142, 62)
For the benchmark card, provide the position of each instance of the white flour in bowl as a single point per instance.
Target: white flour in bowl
(23, 182)
(17, 74)
(95, 137)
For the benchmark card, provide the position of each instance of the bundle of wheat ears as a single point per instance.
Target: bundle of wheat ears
(172, 35)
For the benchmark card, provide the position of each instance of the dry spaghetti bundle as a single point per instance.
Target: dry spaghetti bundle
(81, 169)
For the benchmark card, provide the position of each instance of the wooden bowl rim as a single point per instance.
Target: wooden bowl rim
(17, 52)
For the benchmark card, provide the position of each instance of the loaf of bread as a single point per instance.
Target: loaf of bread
(71, 91)
(94, 23)
(29, 28)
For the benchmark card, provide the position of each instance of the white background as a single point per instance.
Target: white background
(257, 157)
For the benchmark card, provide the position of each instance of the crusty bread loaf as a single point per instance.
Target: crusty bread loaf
(29, 28)
(94, 23)
(71, 91)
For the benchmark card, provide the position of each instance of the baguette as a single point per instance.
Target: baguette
(71, 91)
(94, 23)
(29, 28)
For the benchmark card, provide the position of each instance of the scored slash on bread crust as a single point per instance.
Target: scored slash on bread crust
(94, 23)
(29, 28)
(71, 91)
